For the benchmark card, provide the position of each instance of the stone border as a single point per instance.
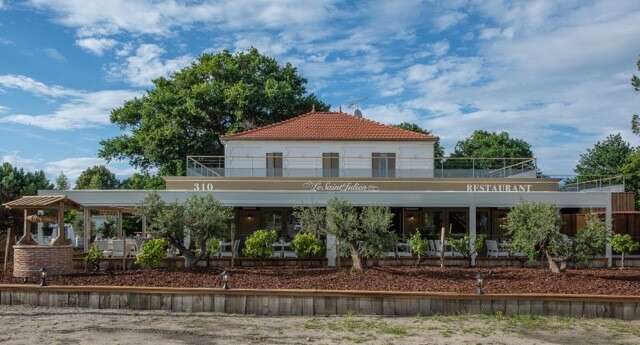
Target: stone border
(319, 302)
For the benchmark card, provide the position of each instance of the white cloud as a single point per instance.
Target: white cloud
(95, 45)
(159, 17)
(90, 109)
(54, 54)
(448, 20)
(146, 64)
(15, 159)
(72, 167)
(27, 84)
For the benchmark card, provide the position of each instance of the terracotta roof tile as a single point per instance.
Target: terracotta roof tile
(329, 126)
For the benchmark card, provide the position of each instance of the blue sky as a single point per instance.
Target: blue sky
(555, 73)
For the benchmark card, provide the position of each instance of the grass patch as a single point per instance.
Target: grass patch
(351, 324)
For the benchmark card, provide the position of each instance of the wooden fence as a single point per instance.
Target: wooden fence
(318, 302)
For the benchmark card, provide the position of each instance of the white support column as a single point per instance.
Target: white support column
(86, 212)
(472, 232)
(609, 223)
(331, 250)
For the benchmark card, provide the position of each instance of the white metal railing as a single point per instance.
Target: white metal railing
(592, 183)
(362, 166)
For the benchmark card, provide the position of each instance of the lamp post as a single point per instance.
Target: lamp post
(225, 280)
(43, 277)
(479, 283)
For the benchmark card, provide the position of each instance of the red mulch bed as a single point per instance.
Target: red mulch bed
(426, 279)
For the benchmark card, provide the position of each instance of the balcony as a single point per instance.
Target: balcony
(363, 167)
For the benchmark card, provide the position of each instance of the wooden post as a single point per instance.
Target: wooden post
(8, 246)
(143, 220)
(233, 240)
(442, 244)
(124, 241)
(26, 238)
(61, 239)
(472, 234)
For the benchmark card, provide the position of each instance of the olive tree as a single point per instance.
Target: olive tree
(342, 222)
(202, 217)
(376, 238)
(534, 228)
(592, 239)
(312, 219)
(623, 244)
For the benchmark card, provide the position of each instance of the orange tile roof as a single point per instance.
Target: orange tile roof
(329, 126)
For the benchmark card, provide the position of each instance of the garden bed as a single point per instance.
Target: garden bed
(425, 279)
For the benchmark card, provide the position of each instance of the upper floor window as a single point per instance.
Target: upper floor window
(330, 164)
(274, 163)
(383, 164)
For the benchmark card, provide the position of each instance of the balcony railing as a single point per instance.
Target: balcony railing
(360, 166)
(591, 183)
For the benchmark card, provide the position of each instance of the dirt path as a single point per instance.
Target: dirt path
(28, 325)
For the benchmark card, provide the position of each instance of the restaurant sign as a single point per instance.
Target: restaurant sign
(498, 187)
(339, 187)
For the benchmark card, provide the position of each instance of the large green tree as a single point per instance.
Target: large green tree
(187, 113)
(15, 183)
(635, 82)
(143, 181)
(97, 177)
(606, 158)
(484, 144)
(438, 150)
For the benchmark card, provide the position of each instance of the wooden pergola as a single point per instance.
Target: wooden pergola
(36, 202)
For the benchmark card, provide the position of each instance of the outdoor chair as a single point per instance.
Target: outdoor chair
(494, 251)
(433, 250)
(104, 247)
(403, 249)
(438, 244)
(118, 250)
(131, 248)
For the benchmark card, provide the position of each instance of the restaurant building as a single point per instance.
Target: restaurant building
(307, 160)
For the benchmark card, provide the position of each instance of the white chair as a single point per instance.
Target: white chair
(104, 247)
(131, 247)
(494, 251)
(433, 251)
(403, 249)
(438, 245)
(287, 252)
(118, 248)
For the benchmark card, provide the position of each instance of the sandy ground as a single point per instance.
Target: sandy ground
(28, 325)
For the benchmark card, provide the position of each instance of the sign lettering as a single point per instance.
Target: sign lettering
(498, 188)
(339, 187)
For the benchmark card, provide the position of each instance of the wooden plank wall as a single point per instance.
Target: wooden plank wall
(623, 201)
(283, 303)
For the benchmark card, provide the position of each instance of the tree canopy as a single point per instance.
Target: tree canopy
(438, 150)
(635, 82)
(97, 177)
(187, 113)
(15, 183)
(143, 181)
(484, 144)
(62, 182)
(606, 158)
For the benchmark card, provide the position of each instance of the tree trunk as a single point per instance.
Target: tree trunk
(356, 262)
(622, 260)
(553, 265)
(419, 259)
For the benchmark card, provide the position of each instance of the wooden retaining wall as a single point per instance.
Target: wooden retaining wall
(318, 302)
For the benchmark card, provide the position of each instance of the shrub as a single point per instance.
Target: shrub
(592, 239)
(258, 244)
(306, 244)
(623, 244)
(213, 246)
(153, 253)
(418, 245)
(462, 245)
(93, 257)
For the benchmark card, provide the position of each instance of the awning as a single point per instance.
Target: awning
(39, 201)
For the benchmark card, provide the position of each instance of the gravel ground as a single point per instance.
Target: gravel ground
(29, 325)
(451, 279)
